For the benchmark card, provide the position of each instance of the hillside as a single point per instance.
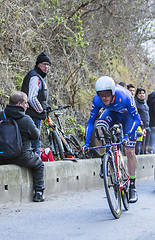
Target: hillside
(84, 39)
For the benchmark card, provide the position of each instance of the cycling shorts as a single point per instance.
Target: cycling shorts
(109, 118)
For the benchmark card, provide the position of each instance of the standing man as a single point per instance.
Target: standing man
(131, 88)
(35, 87)
(143, 111)
(28, 158)
(151, 104)
(119, 108)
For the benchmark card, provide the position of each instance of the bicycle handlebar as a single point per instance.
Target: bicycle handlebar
(57, 109)
(107, 145)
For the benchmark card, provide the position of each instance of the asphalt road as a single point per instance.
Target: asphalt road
(80, 216)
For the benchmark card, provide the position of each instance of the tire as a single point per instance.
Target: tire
(111, 184)
(125, 199)
(57, 147)
(75, 146)
(123, 178)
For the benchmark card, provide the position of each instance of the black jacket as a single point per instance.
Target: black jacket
(151, 104)
(143, 111)
(26, 125)
(42, 94)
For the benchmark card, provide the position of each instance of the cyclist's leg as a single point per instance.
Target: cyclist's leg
(106, 121)
(131, 159)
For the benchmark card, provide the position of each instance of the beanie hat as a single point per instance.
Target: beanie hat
(43, 58)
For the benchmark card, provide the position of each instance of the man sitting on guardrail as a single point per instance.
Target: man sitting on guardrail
(27, 158)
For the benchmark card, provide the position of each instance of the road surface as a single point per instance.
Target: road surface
(80, 216)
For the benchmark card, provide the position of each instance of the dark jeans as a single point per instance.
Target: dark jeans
(138, 147)
(30, 160)
(146, 141)
(153, 139)
(36, 144)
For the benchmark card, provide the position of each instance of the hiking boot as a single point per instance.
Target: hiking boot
(133, 196)
(38, 197)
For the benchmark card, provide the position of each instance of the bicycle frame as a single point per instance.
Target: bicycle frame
(69, 144)
(51, 126)
(109, 149)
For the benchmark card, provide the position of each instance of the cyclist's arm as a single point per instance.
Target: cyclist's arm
(135, 116)
(34, 86)
(90, 125)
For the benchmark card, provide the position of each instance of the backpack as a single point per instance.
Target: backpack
(46, 155)
(10, 138)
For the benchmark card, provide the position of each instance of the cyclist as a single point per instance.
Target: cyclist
(119, 107)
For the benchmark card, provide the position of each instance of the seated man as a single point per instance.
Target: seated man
(28, 158)
(119, 108)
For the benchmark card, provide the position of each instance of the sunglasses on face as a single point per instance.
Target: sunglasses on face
(106, 93)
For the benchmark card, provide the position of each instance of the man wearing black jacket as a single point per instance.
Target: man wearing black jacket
(143, 111)
(151, 104)
(28, 158)
(35, 87)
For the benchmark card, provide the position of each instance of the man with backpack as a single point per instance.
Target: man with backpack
(27, 158)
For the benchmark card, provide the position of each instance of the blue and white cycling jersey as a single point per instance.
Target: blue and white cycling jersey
(122, 110)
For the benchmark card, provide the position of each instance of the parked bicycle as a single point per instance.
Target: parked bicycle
(63, 146)
(115, 176)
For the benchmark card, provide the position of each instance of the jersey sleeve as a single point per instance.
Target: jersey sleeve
(34, 86)
(90, 125)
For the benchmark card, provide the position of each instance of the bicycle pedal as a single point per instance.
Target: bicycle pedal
(101, 175)
(70, 159)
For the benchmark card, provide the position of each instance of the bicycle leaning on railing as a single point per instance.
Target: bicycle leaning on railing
(116, 178)
(63, 146)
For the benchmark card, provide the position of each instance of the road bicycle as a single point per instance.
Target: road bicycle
(116, 178)
(63, 146)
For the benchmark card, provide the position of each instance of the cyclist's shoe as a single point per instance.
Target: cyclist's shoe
(133, 196)
(38, 197)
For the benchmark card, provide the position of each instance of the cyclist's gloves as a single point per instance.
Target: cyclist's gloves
(85, 148)
(125, 139)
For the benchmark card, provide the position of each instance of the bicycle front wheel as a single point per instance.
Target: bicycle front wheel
(111, 184)
(58, 150)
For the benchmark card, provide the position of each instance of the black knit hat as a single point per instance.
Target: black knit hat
(43, 58)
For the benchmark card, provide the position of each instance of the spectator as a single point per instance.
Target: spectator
(35, 87)
(143, 111)
(151, 104)
(131, 88)
(123, 84)
(139, 140)
(28, 158)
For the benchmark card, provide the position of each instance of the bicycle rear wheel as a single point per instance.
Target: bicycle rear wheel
(111, 184)
(58, 150)
(125, 199)
(123, 179)
(75, 146)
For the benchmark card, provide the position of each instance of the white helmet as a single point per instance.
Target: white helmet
(105, 83)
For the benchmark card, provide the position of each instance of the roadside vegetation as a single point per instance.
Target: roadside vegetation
(84, 39)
